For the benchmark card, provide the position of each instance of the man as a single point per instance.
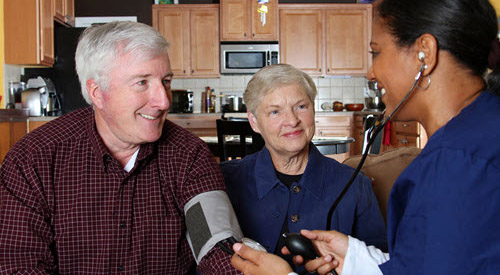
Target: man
(114, 187)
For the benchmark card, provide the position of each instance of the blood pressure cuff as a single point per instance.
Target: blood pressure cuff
(210, 218)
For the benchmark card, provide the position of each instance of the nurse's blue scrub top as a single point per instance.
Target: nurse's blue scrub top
(261, 201)
(444, 209)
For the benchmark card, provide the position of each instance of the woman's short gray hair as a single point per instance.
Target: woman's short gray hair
(274, 77)
(100, 46)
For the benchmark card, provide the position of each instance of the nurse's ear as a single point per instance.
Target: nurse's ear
(253, 122)
(427, 44)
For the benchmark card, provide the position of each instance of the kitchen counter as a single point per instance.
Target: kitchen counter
(13, 114)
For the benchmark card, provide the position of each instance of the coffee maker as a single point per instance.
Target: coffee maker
(41, 98)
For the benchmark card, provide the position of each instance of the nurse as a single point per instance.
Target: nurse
(444, 209)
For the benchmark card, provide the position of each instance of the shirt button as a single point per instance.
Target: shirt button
(296, 189)
(120, 268)
(294, 218)
(122, 224)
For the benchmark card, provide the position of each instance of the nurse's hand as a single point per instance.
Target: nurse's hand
(258, 262)
(331, 245)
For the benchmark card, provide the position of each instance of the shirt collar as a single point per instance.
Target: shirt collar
(266, 179)
(100, 148)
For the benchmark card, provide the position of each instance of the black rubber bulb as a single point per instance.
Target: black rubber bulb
(300, 245)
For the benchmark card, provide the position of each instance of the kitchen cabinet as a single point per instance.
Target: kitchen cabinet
(29, 32)
(358, 133)
(240, 21)
(64, 12)
(200, 125)
(407, 134)
(193, 34)
(332, 125)
(336, 33)
(13, 126)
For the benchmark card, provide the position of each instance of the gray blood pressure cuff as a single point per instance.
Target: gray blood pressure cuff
(210, 218)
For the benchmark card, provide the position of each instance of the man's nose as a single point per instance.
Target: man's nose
(160, 97)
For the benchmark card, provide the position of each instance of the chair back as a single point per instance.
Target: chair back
(242, 129)
(384, 169)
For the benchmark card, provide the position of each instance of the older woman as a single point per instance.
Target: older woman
(289, 185)
(444, 209)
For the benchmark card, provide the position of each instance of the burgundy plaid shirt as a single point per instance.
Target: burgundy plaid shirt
(68, 207)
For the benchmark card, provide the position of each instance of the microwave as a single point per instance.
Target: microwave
(247, 58)
(182, 101)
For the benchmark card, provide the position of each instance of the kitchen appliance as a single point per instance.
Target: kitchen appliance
(373, 101)
(237, 58)
(15, 91)
(182, 101)
(34, 100)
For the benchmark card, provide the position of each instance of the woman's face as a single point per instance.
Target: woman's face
(285, 119)
(394, 69)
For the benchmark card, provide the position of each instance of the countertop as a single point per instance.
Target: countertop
(13, 114)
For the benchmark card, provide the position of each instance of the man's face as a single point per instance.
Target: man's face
(133, 108)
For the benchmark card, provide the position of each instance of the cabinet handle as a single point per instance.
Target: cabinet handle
(328, 70)
(184, 71)
(253, 34)
(245, 34)
(320, 133)
(192, 71)
(404, 141)
(320, 70)
(405, 125)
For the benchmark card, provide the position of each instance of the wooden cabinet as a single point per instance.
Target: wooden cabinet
(13, 126)
(200, 125)
(301, 38)
(347, 34)
(193, 34)
(240, 21)
(64, 12)
(337, 33)
(29, 32)
(358, 133)
(329, 125)
(407, 134)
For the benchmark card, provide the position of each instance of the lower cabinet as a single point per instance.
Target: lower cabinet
(407, 134)
(12, 131)
(329, 125)
(200, 125)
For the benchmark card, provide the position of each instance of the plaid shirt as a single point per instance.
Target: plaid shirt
(68, 207)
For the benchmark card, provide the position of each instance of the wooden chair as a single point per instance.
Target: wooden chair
(383, 169)
(235, 149)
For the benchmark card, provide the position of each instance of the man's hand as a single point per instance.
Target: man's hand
(332, 247)
(250, 261)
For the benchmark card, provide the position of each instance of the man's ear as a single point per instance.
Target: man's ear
(253, 122)
(95, 93)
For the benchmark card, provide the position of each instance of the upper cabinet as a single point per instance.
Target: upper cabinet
(64, 12)
(240, 21)
(326, 39)
(29, 32)
(193, 34)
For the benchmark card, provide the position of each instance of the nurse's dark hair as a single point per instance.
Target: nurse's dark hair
(467, 29)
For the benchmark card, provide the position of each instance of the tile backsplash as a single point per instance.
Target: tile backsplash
(343, 89)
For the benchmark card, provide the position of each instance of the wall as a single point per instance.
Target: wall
(2, 59)
(346, 89)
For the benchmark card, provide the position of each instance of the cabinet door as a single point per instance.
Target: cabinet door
(268, 31)
(4, 139)
(301, 38)
(28, 28)
(235, 20)
(205, 42)
(59, 10)
(69, 12)
(347, 41)
(173, 24)
(46, 33)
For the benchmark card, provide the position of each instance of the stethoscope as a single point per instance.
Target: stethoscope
(379, 124)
